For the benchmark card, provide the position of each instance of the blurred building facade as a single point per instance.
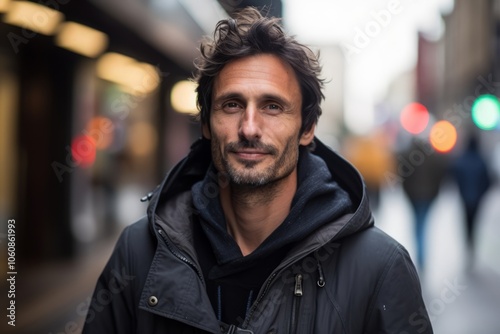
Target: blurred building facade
(81, 136)
(71, 126)
(470, 58)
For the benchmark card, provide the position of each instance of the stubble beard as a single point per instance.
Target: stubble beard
(247, 175)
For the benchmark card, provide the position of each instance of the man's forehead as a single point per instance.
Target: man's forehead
(266, 70)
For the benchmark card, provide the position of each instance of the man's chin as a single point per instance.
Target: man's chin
(250, 183)
(248, 179)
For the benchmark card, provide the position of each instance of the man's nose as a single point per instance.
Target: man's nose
(251, 123)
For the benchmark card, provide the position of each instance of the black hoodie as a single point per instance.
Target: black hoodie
(233, 280)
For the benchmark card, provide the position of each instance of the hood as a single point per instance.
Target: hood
(170, 204)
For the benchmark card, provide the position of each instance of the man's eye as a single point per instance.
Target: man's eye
(231, 106)
(273, 106)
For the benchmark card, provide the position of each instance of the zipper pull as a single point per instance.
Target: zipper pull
(147, 197)
(321, 279)
(298, 285)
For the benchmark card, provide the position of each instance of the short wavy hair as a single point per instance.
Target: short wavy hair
(249, 33)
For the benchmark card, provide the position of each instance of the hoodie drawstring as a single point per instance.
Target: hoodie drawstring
(219, 303)
(249, 302)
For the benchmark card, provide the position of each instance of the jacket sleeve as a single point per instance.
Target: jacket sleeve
(114, 301)
(398, 306)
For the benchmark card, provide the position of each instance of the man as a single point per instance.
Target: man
(261, 228)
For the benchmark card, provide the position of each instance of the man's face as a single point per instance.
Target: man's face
(255, 120)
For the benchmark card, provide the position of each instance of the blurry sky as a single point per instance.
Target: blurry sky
(377, 59)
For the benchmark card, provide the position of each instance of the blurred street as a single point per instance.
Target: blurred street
(474, 305)
(97, 104)
(53, 298)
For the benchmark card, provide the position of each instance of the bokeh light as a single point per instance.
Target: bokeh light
(486, 112)
(134, 77)
(443, 136)
(81, 39)
(183, 97)
(101, 129)
(83, 150)
(414, 118)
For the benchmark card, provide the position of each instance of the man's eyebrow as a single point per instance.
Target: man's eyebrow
(227, 96)
(273, 97)
(266, 97)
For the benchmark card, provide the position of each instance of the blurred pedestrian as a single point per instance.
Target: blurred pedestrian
(261, 228)
(472, 176)
(425, 169)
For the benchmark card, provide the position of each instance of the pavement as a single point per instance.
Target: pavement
(52, 298)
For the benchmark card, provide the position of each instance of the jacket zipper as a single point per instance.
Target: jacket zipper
(181, 257)
(264, 292)
(297, 297)
(257, 302)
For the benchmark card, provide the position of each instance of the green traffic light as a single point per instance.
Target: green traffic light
(486, 112)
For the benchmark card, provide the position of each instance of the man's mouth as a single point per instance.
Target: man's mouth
(250, 154)
(250, 151)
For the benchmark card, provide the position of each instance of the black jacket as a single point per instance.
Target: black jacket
(346, 277)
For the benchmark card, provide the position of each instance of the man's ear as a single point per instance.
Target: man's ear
(307, 137)
(205, 131)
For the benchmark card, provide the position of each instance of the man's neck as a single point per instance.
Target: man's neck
(253, 213)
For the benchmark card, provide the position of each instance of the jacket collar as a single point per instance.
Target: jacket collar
(195, 165)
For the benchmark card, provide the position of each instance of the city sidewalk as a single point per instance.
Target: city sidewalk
(53, 298)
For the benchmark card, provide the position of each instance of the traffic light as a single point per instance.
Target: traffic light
(486, 112)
